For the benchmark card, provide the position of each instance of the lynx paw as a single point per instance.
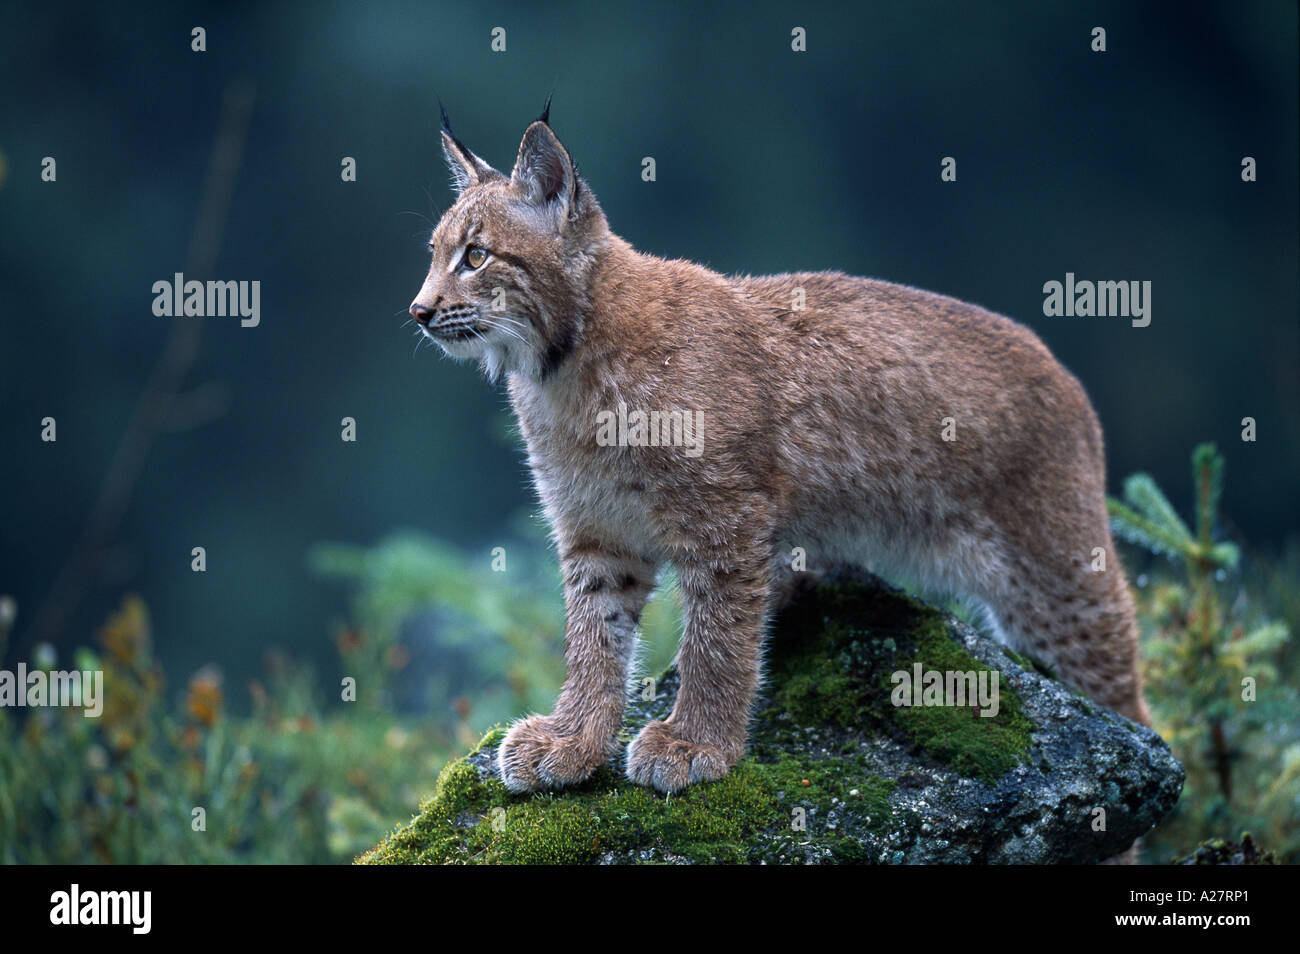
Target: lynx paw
(535, 756)
(659, 758)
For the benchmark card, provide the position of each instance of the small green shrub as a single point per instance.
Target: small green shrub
(1220, 684)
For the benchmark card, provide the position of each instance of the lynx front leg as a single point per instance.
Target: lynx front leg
(726, 602)
(604, 595)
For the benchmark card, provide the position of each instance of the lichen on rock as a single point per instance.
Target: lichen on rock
(836, 773)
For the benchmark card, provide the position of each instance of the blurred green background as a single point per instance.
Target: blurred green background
(1115, 165)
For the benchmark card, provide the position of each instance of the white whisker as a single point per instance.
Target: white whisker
(513, 321)
(504, 330)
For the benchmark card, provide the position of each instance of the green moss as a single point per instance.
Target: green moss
(1030, 664)
(833, 657)
(1021, 660)
(976, 746)
(860, 801)
(742, 818)
(831, 781)
(491, 739)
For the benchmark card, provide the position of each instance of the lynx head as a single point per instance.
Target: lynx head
(512, 258)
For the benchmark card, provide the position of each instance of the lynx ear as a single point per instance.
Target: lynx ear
(467, 169)
(543, 171)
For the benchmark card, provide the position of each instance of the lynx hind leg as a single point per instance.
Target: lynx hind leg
(1075, 614)
(788, 583)
(1080, 621)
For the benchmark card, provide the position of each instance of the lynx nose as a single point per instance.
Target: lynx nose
(420, 313)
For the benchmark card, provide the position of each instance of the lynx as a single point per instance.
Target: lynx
(865, 422)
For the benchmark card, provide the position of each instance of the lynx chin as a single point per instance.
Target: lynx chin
(825, 431)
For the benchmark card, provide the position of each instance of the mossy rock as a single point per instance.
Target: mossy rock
(836, 772)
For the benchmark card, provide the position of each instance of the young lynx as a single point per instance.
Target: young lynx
(865, 422)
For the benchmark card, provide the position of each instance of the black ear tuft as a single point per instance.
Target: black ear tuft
(466, 168)
(446, 128)
(546, 111)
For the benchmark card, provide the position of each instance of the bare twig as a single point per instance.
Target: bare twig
(156, 410)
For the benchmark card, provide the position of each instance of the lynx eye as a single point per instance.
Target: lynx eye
(475, 256)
